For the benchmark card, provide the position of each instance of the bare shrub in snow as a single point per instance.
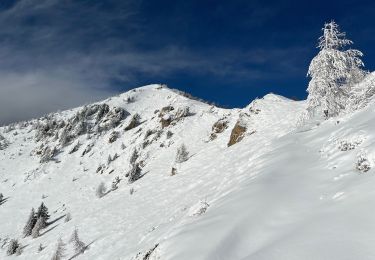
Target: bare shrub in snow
(47, 154)
(79, 246)
(100, 191)
(173, 171)
(13, 246)
(182, 154)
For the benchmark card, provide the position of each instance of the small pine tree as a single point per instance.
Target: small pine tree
(79, 246)
(1, 197)
(134, 173)
(12, 247)
(182, 154)
(100, 191)
(40, 224)
(60, 250)
(42, 212)
(134, 157)
(27, 230)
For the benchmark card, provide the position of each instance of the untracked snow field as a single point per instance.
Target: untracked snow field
(284, 191)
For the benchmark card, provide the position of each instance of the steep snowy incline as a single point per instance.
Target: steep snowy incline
(310, 198)
(281, 192)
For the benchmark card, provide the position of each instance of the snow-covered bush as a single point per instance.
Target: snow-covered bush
(115, 183)
(12, 247)
(75, 147)
(47, 154)
(182, 154)
(363, 164)
(198, 209)
(134, 156)
(333, 71)
(346, 145)
(3, 142)
(113, 136)
(101, 190)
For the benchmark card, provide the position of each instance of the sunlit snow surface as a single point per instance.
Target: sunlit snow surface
(283, 192)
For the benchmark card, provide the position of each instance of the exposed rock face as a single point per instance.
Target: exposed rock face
(218, 128)
(167, 117)
(237, 134)
(134, 122)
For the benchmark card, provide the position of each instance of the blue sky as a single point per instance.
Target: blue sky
(55, 54)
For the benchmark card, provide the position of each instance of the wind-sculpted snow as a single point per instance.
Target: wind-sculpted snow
(281, 192)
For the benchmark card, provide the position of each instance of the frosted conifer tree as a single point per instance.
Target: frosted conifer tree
(79, 246)
(40, 223)
(42, 212)
(60, 250)
(182, 154)
(333, 71)
(30, 223)
(135, 173)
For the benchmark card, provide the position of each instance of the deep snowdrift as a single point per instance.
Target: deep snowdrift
(282, 192)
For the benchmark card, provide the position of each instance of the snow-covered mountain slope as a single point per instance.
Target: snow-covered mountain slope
(279, 192)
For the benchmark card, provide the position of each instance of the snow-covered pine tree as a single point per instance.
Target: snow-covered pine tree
(135, 173)
(12, 247)
(40, 223)
(60, 250)
(30, 223)
(79, 246)
(182, 154)
(42, 212)
(134, 156)
(333, 71)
